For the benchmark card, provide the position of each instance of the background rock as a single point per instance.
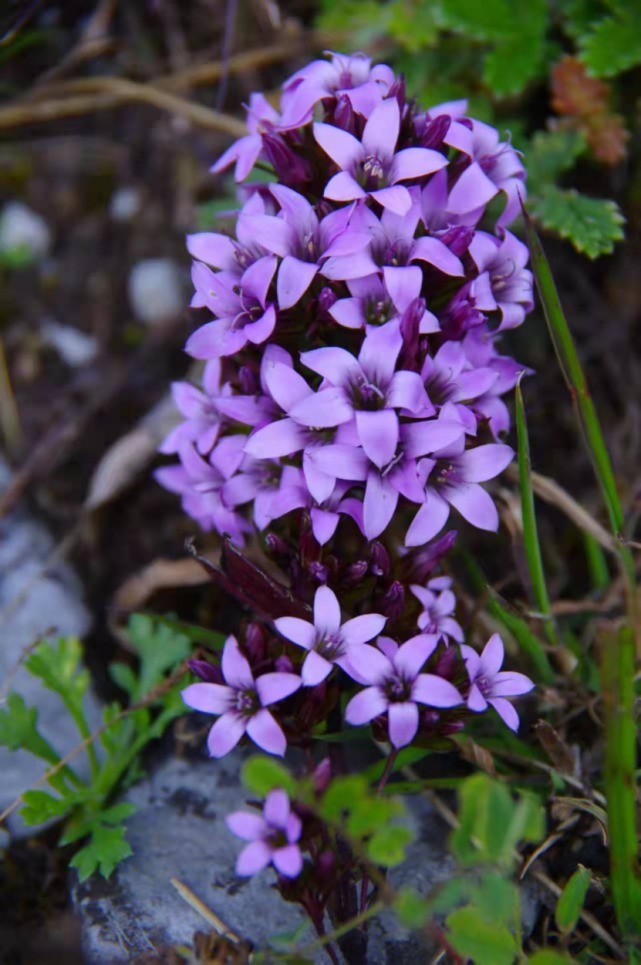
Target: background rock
(33, 606)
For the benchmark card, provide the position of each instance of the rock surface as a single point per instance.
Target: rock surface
(33, 606)
(179, 832)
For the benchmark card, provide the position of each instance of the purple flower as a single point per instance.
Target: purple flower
(240, 304)
(439, 604)
(351, 76)
(202, 420)
(454, 477)
(326, 640)
(298, 237)
(490, 685)
(261, 118)
(233, 255)
(449, 378)
(242, 704)
(273, 837)
(273, 489)
(370, 389)
(504, 283)
(495, 167)
(370, 168)
(370, 305)
(396, 685)
(392, 249)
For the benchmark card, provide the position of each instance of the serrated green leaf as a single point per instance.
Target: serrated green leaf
(124, 677)
(59, 667)
(571, 899)
(19, 729)
(263, 774)
(388, 846)
(513, 63)
(550, 153)
(476, 939)
(160, 649)
(40, 806)
(614, 45)
(490, 20)
(411, 908)
(107, 847)
(593, 225)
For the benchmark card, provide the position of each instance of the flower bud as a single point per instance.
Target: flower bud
(434, 131)
(255, 643)
(284, 664)
(206, 671)
(322, 775)
(393, 603)
(379, 560)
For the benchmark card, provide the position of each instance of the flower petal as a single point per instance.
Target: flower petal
(264, 731)
(484, 462)
(432, 690)
(294, 278)
(474, 505)
(492, 657)
(315, 669)
(277, 808)
(378, 505)
(509, 683)
(280, 438)
(236, 669)
(253, 859)
(362, 629)
(208, 698)
(298, 631)
(506, 712)
(324, 409)
(327, 612)
(380, 133)
(342, 147)
(403, 723)
(365, 706)
(429, 520)
(437, 254)
(415, 162)
(225, 734)
(272, 687)
(247, 826)
(288, 861)
(411, 656)
(366, 664)
(378, 434)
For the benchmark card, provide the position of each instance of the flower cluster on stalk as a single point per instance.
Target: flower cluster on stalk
(352, 397)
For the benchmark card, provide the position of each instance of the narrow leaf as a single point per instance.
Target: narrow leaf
(571, 899)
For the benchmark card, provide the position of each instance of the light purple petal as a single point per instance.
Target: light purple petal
(484, 462)
(324, 409)
(334, 364)
(294, 278)
(343, 187)
(260, 330)
(362, 629)
(435, 692)
(288, 861)
(249, 827)
(430, 520)
(474, 505)
(506, 711)
(253, 859)
(415, 162)
(208, 698)
(491, 659)
(475, 700)
(509, 683)
(378, 505)
(365, 706)
(403, 723)
(277, 808)
(343, 148)
(236, 669)
(272, 687)
(366, 664)
(472, 190)
(394, 198)
(324, 524)
(341, 462)
(378, 434)
(419, 438)
(437, 254)
(225, 734)
(278, 439)
(298, 631)
(403, 284)
(406, 391)
(411, 656)
(381, 130)
(327, 612)
(274, 234)
(264, 731)
(315, 669)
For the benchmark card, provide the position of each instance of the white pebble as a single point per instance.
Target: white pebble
(74, 347)
(22, 228)
(156, 288)
(125, 204)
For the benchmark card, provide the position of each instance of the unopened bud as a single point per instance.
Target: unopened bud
(284, 665)
(393, 603)
(322, 775)
(206, 671)
(379, 560)
(255, 643)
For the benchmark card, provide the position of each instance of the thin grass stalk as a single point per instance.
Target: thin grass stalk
(618, 664)
(531, 542)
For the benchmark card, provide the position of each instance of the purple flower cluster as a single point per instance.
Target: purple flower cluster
(352, 396)
(352, 367)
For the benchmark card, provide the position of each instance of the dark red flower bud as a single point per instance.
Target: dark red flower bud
(393, 603)
(206, 671)
(379, 560)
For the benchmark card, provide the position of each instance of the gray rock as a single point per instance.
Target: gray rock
(179, 832)
(33, 605)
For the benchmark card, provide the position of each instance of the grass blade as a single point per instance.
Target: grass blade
(617, 673)
(578, 387)
(530, 532)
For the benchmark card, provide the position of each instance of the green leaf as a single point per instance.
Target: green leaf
(527, 640)
(59, 668)
(528, 513)
(549, 154)
(263, 774)
(19, 729)
(593, 225)
(40, 806)
(106, 848)
(342, 795)
(513, 63)
(490, 20)
(404, 758)
(160, 649)
(411, 908)
(124, 677)
(497, 898)
(388, 846)
(548, 957)
(369, 814)
(614, 45)
(571, 899)
(211, 639)
(475, 938)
